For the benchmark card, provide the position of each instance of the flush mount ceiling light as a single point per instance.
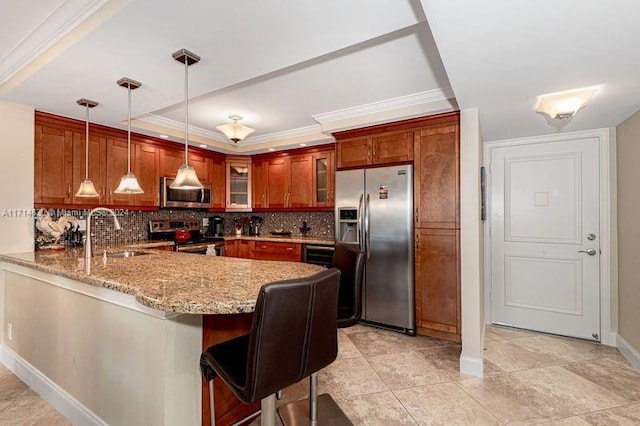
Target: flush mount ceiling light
(129, 182)
(186, 178)
(234, 130)
(564, 105)
(87, 189)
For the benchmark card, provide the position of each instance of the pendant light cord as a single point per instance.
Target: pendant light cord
(129, 133)
(186, 111)
(86, 146)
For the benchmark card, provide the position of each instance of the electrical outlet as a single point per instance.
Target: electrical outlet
(10, 331)
(82, 225)
(205, 221)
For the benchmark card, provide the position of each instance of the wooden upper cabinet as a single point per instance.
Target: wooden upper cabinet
(172, 159)
(97, 167)
(324, 172)
(437, 177)
(392, 148)
(117, 151)
(147, 170)
(354, 152)
(437, 282)
(201, 165)
(53, 165)
(301, 181)
(278, 172)
(259, 183)
(218, 186)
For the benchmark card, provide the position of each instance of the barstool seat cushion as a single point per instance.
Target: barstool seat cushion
(229, 359)
(293, 334)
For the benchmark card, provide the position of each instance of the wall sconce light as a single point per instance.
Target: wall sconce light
(234, 130)
(564, 105)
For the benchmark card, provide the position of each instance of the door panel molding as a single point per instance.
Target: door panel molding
(607, 222)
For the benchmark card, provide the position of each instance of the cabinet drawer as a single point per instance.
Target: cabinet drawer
(267, 250)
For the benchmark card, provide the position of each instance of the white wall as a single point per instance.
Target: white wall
(471, 244)
(628, 156)
(16, 175)
(108, 362)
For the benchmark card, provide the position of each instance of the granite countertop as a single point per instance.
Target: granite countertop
(285, 239)
(171, 281)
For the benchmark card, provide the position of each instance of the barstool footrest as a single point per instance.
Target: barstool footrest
(329, 413)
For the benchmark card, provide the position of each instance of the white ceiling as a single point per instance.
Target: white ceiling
(282, 64)
(501, 54)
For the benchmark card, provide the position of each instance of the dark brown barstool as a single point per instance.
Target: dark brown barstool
(293, 334)
(350, 261)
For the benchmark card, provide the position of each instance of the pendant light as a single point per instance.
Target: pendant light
(186, 178)
(129, 182)
(87, 189)
(234, 130)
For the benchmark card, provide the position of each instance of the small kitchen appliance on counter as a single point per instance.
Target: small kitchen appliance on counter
(176, 230)
(216, 226)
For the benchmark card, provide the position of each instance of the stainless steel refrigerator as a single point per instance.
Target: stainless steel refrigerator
(374, 210)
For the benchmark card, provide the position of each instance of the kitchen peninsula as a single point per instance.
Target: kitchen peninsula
(122, 336)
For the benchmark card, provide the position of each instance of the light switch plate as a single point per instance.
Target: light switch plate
(205, 221)
(82, 224)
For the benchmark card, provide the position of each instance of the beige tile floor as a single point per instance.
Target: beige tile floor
(385, 378)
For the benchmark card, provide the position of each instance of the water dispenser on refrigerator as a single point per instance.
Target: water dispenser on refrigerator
(348, 226)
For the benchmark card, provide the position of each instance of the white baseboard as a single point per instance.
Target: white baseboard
(472, 366)
(57, 397)
(628, 351)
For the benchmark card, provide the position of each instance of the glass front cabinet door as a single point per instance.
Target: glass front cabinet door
(238, 185)
(324, 179)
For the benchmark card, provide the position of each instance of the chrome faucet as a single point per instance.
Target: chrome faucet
(87, 244)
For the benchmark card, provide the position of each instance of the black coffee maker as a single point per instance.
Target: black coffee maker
(216, 226)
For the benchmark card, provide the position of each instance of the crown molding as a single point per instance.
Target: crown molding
(286, 139)
(420, 98)
(56, 26)
(285, 134)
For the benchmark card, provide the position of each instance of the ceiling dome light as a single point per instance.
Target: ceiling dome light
(129, 182)
(87, 189)
(234, 130)
(564, 105)
(186, 178)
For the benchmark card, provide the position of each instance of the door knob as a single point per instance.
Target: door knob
(590, 252)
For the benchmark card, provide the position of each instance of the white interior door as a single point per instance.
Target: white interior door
(545, 250)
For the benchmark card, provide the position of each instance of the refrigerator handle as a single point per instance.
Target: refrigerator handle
(367, 226)
(359, 218)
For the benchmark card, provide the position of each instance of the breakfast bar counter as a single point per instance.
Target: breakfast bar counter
(123, 336)
(170, 281)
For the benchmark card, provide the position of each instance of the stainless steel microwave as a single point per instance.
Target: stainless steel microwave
(184, 198)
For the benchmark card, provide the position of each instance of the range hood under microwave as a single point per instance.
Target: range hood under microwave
(184, 198)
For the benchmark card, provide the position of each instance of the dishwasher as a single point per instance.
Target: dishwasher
(317, 254)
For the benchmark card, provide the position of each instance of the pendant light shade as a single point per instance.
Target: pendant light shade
(87, 189)
(129, 182)
(234, 130)
(186, 177)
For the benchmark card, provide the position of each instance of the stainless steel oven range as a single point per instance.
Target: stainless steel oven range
(192, 241)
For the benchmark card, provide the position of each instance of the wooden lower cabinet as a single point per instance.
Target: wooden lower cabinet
(267, 250)
(264, 250)
(228, 408)
(437, 283)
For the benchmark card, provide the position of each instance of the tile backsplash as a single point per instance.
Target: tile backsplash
(135, 223)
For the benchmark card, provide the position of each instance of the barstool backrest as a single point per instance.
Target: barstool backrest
(294, 332)
(350, 262)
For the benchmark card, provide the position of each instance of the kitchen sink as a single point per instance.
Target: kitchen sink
(122, 254)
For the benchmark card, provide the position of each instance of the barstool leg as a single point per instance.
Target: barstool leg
(211, 403)
(268, 410)
(313, 398)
